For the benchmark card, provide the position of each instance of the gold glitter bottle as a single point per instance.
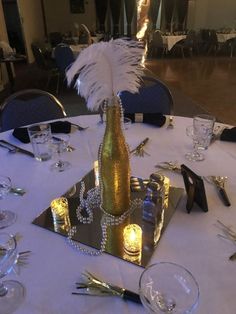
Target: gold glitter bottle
(114, 163)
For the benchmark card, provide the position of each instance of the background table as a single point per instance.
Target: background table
(190, 239)
(171, 40)
(223, 37)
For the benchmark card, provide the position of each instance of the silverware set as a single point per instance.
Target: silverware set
(217, 181)
(139, 150)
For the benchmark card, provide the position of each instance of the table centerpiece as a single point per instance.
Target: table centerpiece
(103, 70)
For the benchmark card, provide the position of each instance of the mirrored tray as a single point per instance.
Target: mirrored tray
(91, 234)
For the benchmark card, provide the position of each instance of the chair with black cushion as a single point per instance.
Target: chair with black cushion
(48, 66)
(55, 39)
(64, 57)
(213, 45)
(153, 97)
(186, 45)
(30, 106)
(231, 46)
(85, 37)
(156, 45)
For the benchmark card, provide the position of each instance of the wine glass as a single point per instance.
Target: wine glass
(7, 217)
(201, 132)
(195, 154)
(59, 145)
(168, 288)
(11, 292)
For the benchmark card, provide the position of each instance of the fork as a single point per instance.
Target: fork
(80, 128)
(23, 258)
(139, 150)
(169, 165)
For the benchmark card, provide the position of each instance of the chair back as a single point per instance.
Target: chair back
(157, 40)
(38, 56)
(55, 39)
(64, 57)
(30, 106)
(153, 97)
(85, 35)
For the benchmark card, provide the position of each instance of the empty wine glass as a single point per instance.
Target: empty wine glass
(168, 288)
(201, 132)
(59, 145)
(7, 217)
(11, 292)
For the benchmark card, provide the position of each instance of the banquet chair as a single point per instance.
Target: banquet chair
(55, 38)
(85, 37)
(46, 65)
(156, 45)
(153, 97)
(30, 106)
(186, 45)
(231, 45)
(64, 57)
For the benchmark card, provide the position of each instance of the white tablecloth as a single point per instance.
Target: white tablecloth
(190, 239)
(224, 37)
(171, 40)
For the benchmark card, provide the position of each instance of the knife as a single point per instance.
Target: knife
(17, 148)
(141, 145)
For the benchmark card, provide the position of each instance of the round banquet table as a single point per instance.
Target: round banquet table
(190, 239)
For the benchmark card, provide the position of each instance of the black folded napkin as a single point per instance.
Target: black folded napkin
(56, 127)
(157, 119)
(228, 135)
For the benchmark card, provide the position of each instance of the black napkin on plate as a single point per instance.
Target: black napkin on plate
(157, 119)
(56, 127)
(228, 135)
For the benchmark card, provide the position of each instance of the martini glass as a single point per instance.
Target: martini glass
(7, 217)
(11, 292)
(59, 145)
(168, 288)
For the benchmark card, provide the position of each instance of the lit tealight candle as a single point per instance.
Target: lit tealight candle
(60, 213)
(132, 235)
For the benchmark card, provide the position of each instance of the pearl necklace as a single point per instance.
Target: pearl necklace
(92, 202)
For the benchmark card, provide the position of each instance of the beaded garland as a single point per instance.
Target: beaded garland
(92, 202)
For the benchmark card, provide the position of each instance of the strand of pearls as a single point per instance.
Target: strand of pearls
(88, 205)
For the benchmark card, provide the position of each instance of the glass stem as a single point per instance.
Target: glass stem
(3, 289)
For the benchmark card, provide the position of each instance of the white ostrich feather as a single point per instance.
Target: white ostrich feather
(105, 69)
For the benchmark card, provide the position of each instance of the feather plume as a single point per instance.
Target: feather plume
(105, 69)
